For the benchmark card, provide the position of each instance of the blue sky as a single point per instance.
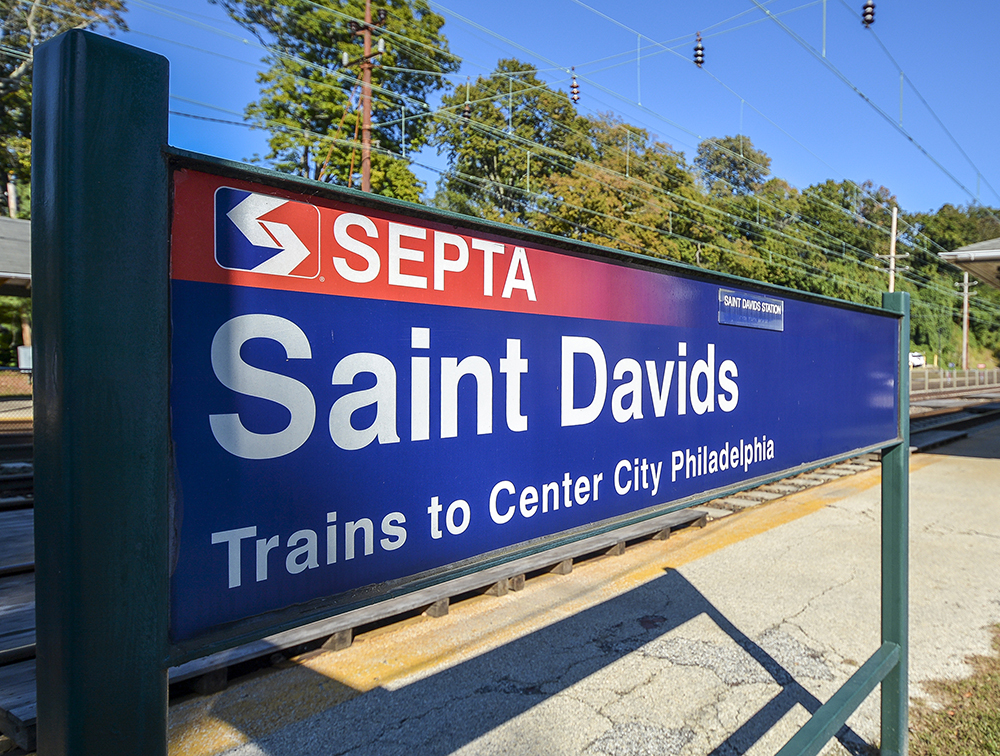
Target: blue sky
(757, 78)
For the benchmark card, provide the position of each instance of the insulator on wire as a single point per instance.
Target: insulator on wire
(868, 13)
(574, 90)
(699, 51)
(383, 14)
(467, 111)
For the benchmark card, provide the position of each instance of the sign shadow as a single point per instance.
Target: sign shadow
(579, 669)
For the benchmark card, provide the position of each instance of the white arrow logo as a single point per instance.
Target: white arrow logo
(246, 217)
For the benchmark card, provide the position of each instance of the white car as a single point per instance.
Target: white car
(917, 359)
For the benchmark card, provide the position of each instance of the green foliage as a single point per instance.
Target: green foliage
(621, 195)
(731, 165)
(26, 24)
(953, 227)
(603, 181)
(312, 106)
(512, 112)
(932, 314)
(15, 317)
(948, 229)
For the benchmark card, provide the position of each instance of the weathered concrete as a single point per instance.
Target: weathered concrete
(719, 640)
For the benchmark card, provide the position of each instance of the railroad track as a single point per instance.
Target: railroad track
(928, 430)
(17, 566)
(933, 428)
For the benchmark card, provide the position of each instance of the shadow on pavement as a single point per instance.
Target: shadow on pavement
(982, 442)
(452, 708)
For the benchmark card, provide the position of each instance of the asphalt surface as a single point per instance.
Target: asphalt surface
(719, 641)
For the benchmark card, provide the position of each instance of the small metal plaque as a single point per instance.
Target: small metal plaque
(740, 308)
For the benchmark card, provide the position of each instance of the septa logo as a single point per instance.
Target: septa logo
(265, 234)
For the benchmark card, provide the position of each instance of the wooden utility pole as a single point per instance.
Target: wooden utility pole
(366, 102)
(892, 256)
(11, 197)
(892, 253)
(365, 32)
(965, 316)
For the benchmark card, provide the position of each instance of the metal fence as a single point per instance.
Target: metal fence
(14, 382)
(16, 414)
(16, 390)
(932, 380)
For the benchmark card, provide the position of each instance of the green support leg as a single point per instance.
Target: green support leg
(895, 548)
(100, 290)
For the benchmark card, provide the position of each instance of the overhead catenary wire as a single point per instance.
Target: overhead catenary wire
(272, 51)
(711, 209)
(707, 208)
(390, 94)
(773, 16)
(795, 266)
(889, 119)
(927, 105)
(617, 95)
(346, 16)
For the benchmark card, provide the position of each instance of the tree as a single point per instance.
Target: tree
(27, 24)
(932, 316)
(624, 195)
(953, 227)
(310, 103)
(511, 113)
(732, 165)
(15, 328)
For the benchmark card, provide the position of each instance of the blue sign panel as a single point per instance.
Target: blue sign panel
(432, 396)
(751, 310)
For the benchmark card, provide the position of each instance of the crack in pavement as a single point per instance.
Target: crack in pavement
(861, 514)
(641, 739)
(798, 659)
(821, 594)
(940, 529)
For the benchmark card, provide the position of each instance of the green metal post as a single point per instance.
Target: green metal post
(100, 290)
(895, 547)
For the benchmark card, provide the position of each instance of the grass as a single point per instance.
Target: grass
(966, 718)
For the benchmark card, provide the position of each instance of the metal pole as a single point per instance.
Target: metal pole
(900, 98)
(892, 253)
(528, 177)
(366, 100)
(11, 197)
(742, 101)
(404, 130)
(100, 268)
(638, 81)
(965, 320)
(824, 28)
(895, 547)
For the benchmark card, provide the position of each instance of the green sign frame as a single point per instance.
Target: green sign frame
(103, 529)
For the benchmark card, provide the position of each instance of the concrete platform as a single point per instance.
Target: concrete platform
(720, 640)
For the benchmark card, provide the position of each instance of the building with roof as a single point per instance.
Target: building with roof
(981, 260)
(15, 257)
